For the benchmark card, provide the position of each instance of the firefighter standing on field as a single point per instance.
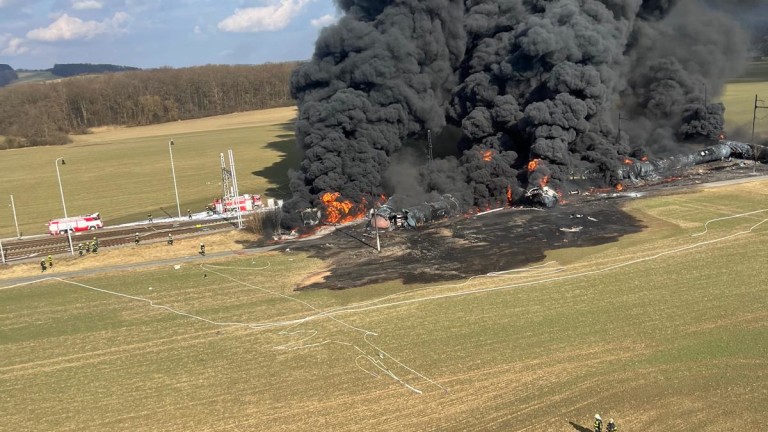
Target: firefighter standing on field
(42, 265)
(149, 217)
(95, 245)
(202, 249)
(50, 262)
(136, 239)
(189, 214)
(611, 426)
(598, 423)
(170, 239)
(80, 249)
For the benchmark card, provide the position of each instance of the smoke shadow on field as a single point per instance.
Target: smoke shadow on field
(290, 158)
(579, 427)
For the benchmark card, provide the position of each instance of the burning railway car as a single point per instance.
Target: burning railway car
(723, 150)
(543, 196)
(388, 216)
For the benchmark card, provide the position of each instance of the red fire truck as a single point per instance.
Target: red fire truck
(75, 224)
(246, 202)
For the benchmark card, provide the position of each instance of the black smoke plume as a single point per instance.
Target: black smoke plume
(576, 84)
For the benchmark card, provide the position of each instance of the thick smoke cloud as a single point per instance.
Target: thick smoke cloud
(548, 80)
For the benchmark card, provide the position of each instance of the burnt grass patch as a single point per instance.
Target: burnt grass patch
(470, 245)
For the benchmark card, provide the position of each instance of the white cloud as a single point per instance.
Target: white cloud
(324, 21)
(197, 30)
(69, 28)
(10, 45)
(86, 4)
(276, 16)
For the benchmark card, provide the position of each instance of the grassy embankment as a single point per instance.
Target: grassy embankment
(125, 173)
(739, 99)
(661, 330)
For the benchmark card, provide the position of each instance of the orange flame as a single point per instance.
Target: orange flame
(544, 181)
(644, 158)
(628, 161)
(487, 155)
(619, 187)
(509, 195)
(341, 211)
(533, 164)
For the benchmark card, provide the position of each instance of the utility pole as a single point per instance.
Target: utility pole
(429, 144)
(15, 221)
(754, 119)
(618, 135)
(173, 174)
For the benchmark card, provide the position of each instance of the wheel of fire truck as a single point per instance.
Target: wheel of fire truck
(91, 228)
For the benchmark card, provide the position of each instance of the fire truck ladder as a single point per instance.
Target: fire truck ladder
(227, 183)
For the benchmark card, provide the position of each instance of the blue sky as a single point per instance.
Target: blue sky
(36, 34)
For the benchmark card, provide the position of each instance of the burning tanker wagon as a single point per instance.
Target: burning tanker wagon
(390, 215)
(578, 86)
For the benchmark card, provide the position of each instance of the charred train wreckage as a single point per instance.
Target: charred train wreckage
(725, 149)
(396, 213)
(390, 215)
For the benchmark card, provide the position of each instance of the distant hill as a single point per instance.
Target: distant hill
(73, 69)
(30, 76)
(65, 70)
(7, 75)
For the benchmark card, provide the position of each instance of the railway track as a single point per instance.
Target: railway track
(40, 246)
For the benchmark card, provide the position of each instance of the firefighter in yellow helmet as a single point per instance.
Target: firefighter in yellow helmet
(598, 423)
(50, 262)
(611, 426)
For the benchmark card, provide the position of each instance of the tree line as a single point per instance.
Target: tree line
(46, 113)
(72, 69)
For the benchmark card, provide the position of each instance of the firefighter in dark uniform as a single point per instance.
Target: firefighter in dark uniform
(96, 242)
(189, 214)
(87, 247)
(202, 249)
(611, 426)
(42, 265)
(170, 239)
(80, 249)
(95, 245)
(598, 423)
(136, 239)
(50, 262)
(149, 217)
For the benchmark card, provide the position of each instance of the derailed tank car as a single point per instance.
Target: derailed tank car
(391, 215)
(431, 211)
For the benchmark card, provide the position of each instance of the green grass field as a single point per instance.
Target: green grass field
(739, 100)
(661, 331)
(126, 174)
(756, 71)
